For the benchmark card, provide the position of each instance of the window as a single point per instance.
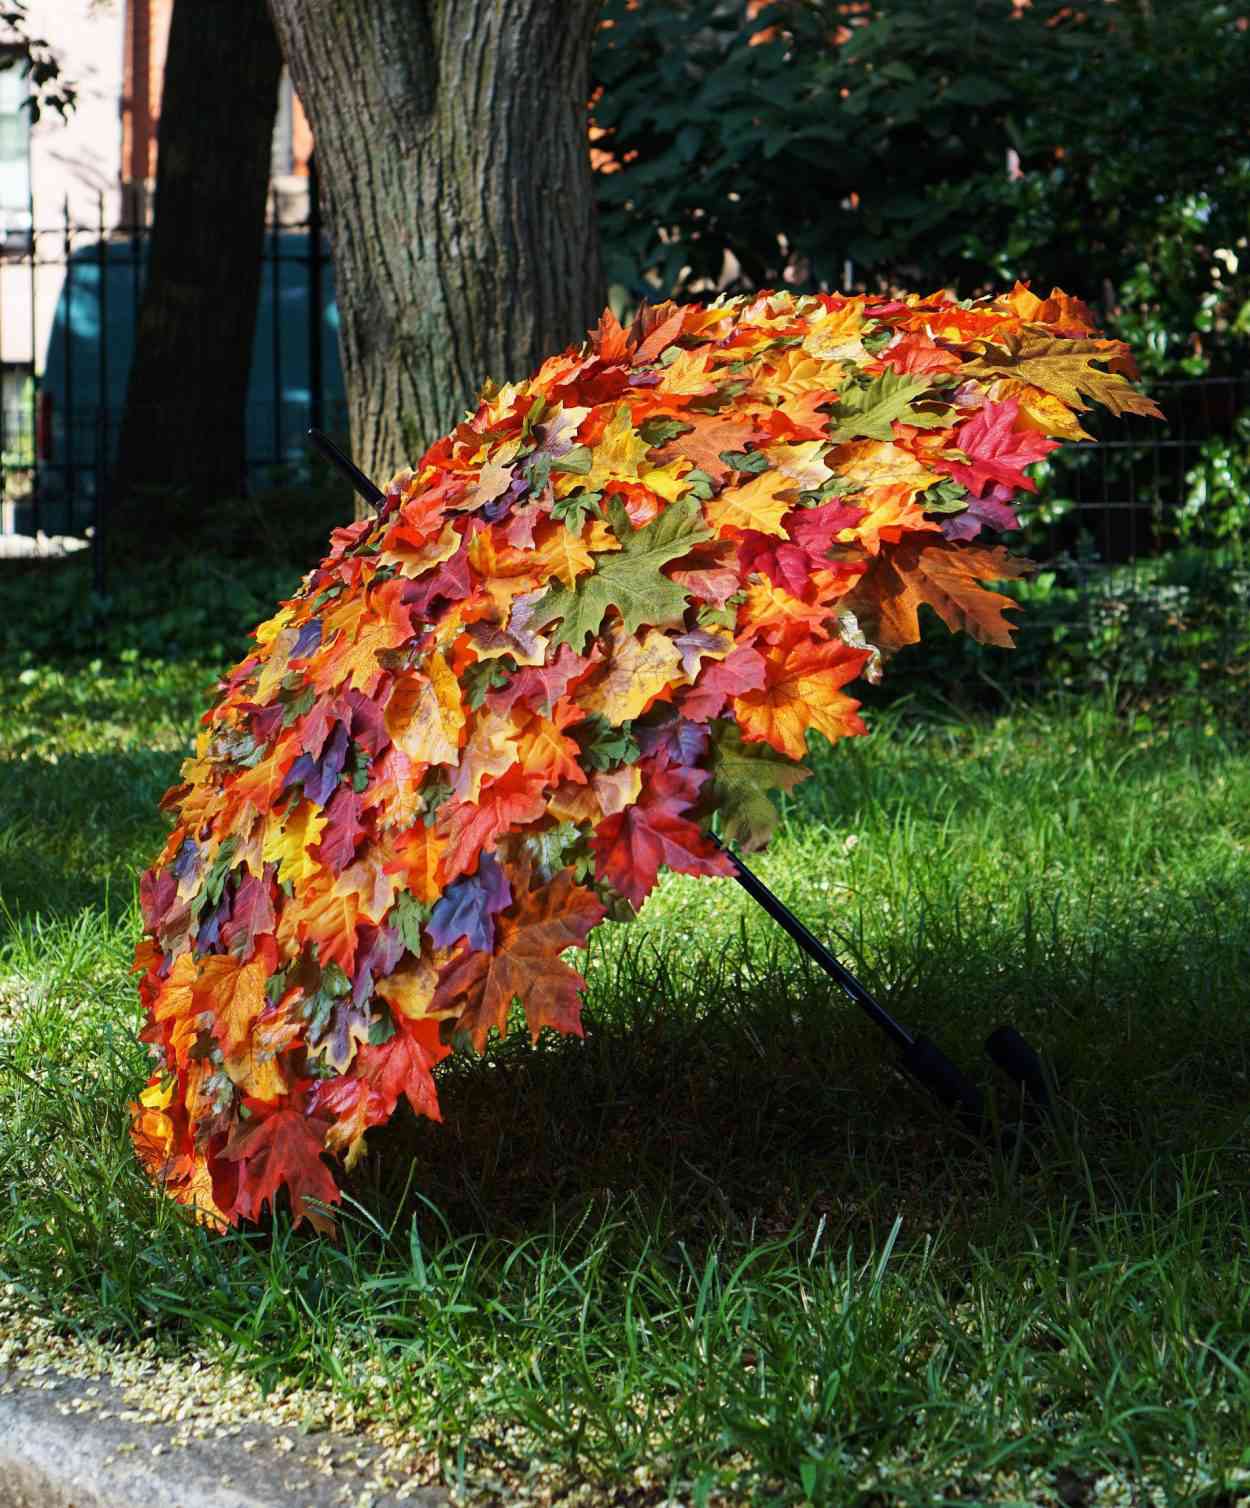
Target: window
(14, 158)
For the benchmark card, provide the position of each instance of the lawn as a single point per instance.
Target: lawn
(719, 1250)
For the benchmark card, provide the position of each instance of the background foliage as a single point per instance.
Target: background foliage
(814, 133)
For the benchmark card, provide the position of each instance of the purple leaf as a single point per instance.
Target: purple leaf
(468, 906)
(320, 776)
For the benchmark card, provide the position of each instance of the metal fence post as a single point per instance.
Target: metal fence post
(314, 295)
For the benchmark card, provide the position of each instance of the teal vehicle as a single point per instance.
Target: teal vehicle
(296, 380)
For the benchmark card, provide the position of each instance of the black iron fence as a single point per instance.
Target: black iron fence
(71, 300)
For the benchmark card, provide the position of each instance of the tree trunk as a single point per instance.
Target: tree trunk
(182, 444)
(455, 172)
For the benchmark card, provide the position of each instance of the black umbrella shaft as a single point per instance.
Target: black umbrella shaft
(816, 950)
(360, 482)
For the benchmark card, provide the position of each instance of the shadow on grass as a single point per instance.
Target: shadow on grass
(742, 1098)
(78, 832)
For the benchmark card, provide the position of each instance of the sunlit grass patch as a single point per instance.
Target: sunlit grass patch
(718, 1248)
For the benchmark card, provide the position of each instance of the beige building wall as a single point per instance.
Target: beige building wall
(74, 163)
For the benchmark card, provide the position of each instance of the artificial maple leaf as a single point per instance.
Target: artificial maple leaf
(887, 597)
(635, 671)
(628, 580)
(324, 914)
(415, 551)
(742, 774)
(631, 846)
(759, 503)
(424, 716)
(416, 857)
(800, 691)
(541, 687)
(283, 1150)
(289, 837)
(543, 747)
(710, 436)
(526, 965)
(234, 993)
(1062, 367)
(1039, 410)
(742, 670)
(616, 458)
(409, 989)
(467, 827)
(342, 832)
(251, 916)
(997, 451)
(489, 752)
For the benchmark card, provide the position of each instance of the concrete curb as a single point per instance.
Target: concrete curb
(54, 1454)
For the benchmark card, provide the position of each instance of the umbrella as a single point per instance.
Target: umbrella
(608, 607)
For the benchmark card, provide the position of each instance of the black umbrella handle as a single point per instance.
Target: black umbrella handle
(816, 950)
(923, 1059)
(361, 484)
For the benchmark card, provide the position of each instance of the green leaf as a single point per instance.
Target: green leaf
(945, 497)
(868, 413)
(577, 461)
(484, 676)
(604, 746)
(659, 429)
(408, 915)
(628, 579)
(750, 461)
(571, 511)
(742, 773)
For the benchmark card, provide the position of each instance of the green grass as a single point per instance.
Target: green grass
(719, 1248)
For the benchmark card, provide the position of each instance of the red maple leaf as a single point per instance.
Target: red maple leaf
(283, 1149)
(468, 827)
(342, 832)
(251, 916)
(631, 845)
(998, 452)
(738, 672)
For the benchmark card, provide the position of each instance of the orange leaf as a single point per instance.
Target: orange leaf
(888, 596)
(526, 964)
(801, 692)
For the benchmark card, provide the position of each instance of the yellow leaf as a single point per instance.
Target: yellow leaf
(1040, 411)
(255, 1072)
(410, 988)
(275, 664)
(804, 463)
(287, 839)
(667, 480)
(759, 503)
(878, 464)
(1064, 368)
(636, 670)
(271, 628)
(617, 457)
(835, 335)
(489, 752)
(687, 373)
(424, 715)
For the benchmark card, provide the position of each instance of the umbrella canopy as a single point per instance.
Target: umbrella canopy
(612, 602)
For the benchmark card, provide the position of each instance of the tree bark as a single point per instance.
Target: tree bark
(456, 183)
(182, 444)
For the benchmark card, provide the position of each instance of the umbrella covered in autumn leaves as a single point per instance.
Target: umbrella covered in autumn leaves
(611, 603)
